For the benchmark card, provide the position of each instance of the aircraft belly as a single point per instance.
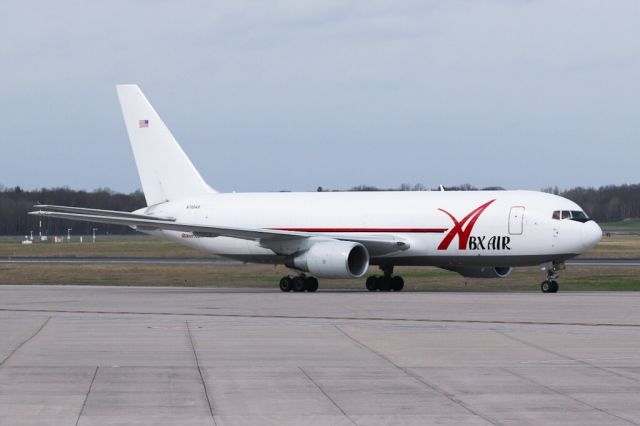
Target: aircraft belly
(487, 260)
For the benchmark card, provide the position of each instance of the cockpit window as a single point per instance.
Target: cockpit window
(579, 216)
(576, 215)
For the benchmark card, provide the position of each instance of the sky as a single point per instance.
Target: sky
(292, 95)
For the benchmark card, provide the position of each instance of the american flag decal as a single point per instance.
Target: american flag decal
(143, 123)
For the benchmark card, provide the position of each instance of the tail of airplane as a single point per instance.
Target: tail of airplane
(165, 171)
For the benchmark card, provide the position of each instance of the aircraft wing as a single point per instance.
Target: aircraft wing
(271, 238)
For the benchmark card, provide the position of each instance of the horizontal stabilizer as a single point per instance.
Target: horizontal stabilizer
(150, 222)
(100, 212)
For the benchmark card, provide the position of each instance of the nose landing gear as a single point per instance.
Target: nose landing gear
(387, 282)
(550, 285)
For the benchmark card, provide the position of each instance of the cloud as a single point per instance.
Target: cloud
(292, 95)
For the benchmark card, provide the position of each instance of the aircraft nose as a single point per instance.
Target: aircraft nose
(591, 234)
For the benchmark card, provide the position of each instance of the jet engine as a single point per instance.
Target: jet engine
(482, 271)
(333, 259)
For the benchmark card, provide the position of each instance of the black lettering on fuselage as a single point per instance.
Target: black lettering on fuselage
(494, 243)
(505, 243)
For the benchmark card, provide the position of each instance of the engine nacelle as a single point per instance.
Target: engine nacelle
(333, 259)
(482, 271)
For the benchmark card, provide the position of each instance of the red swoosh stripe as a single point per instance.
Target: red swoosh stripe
(337, 230)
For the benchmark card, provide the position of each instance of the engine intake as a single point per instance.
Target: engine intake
(482, 271)
(333, 259)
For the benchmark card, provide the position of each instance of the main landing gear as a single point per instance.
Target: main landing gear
(387, 282)
(550, 285)
(299, 283)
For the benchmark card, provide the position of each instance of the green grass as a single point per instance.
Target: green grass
(617, 246)
(628, 225)
(267, 276)
(609, 282)
(113, 247)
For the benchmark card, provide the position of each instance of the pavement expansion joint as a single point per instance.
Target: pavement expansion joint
(84, 403)
(204, 384)
(24, 342)
(567, 395)
(420, 380)
(326, 395)
(322, 317)
(584, 362)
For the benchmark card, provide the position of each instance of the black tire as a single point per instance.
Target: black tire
(286, 284)
(312, 284)
(397, 283)
(372, 283)
(554, 287)
(299, 284)
(384, 284)
(545, 286)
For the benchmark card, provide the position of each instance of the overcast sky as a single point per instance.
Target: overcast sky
(270, 95)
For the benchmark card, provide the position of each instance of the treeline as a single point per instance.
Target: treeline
(605, 204)
(15, 203)
(610, 203)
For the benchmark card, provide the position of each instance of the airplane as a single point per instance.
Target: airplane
(340, 234)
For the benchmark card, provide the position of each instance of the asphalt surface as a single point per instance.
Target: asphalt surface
(121, 260)
(112, 355)
(223, 261)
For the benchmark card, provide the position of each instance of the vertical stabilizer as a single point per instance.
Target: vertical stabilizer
(165, 171)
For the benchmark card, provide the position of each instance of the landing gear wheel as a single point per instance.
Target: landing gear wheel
(397, 283)
(372, 283)
(312, 284)
(545, 286)
(286, 284)
(299, 284)
(384, 284)
(550, 285)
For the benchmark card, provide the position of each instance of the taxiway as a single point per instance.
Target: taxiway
(126, 355)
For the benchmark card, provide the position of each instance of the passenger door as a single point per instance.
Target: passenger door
(516, 218)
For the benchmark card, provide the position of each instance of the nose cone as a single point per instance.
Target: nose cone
(591, 234)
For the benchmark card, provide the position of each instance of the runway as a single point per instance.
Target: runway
(127, 355)
(223, 261)
(122, 260)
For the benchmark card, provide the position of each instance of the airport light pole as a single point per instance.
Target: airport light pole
(69, 234)
(94, 234)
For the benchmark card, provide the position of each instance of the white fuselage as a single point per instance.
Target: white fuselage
(486, 228)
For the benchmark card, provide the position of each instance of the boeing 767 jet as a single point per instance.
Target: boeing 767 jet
(340, 234)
